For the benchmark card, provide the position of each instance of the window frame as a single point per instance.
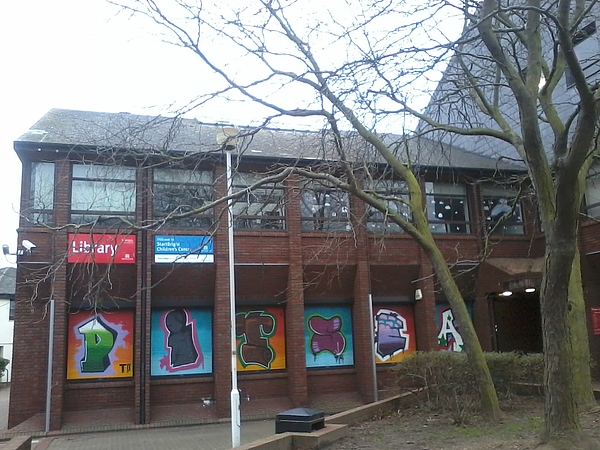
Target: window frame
(91, 214)
(267, 218)
(506, 226)
(387, 187)
(327, 220)
(431, 197)
(200, 220)
(37, 212)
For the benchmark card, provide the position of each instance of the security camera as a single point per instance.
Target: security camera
(5, 249)
(28, 245)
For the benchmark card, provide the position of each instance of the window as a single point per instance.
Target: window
(41, 198)
(260, 208)
(11, 310)
(502, 211)
(181, 191)
(324, 208)
(394, 194)
(592, 193)
(587, 51)
(99, 191)
(447, 209)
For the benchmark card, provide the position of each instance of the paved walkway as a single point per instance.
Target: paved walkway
(4, 393)
(199, 437)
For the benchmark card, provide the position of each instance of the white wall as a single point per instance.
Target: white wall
(6, 335)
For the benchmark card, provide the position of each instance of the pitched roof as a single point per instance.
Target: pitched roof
(71, 128)
(8, 281)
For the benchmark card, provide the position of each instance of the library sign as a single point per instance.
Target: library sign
(102, 248)
(183, 249)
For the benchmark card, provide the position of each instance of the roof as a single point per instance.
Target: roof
(8, 281)
(71, 128)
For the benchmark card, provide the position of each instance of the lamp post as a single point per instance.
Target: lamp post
(227, 136)
(236, 423)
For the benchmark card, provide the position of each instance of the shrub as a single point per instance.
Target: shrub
(451, 385)
(3, 363)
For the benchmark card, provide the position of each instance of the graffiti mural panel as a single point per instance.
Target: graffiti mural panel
(260, 339)
(394, 333)
(448, 332)
(181, 342)
(100, 345)
(328, 336)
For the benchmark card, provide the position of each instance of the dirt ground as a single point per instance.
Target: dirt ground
(418, 428)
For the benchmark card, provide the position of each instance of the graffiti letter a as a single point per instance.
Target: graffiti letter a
(99, 340)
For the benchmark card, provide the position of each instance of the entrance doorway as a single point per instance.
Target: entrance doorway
(517, 323)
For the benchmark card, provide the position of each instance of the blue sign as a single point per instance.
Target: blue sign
(183, 249)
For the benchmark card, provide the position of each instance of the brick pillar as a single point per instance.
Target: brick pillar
(425, 320)
(143, 308)
(221, 312)
(361, 311)
(59, 288)
(294, 311)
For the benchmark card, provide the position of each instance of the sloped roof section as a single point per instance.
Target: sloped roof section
(187, 136)
(8, 281)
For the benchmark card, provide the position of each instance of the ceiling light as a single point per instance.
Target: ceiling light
(506, 294)
(530, 290)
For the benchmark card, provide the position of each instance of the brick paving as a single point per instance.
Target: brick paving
(176, 426)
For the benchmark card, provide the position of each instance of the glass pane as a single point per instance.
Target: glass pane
(95, 171)
(173, 198)
(263, 207)
(103, 196)
(183, 176)
(42, 185)
(592, 195)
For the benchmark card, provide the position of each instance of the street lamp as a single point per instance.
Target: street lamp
(227, 136)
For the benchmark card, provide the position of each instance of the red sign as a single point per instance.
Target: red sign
(596, 320)
(101, 248)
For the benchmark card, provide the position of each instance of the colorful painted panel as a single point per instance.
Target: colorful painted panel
(181, 342)
(394, 333)
(448, 333)
(100, 345)
(328, 336)
(260, 338)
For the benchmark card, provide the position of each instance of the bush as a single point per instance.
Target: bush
(451, 385)
(3, 363)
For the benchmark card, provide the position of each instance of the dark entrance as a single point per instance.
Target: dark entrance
(517, 323)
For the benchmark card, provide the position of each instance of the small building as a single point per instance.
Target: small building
(7, 317)
(138, 272)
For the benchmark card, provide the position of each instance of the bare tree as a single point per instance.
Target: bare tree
(505, 66)
(296, 72)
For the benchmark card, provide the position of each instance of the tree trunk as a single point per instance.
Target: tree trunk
(489, 399)
(562, 426)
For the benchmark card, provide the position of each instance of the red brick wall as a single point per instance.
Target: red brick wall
(288, 267)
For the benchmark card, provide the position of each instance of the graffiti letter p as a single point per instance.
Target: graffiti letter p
(99, 340)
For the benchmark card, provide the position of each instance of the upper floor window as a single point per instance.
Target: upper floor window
(447, 208)
(261, 207)
(11, 310)
(394, 195)
(98, 191)
(41, 193)
(592, 193)
(502, 211)
(324, 208)
(178, 192)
